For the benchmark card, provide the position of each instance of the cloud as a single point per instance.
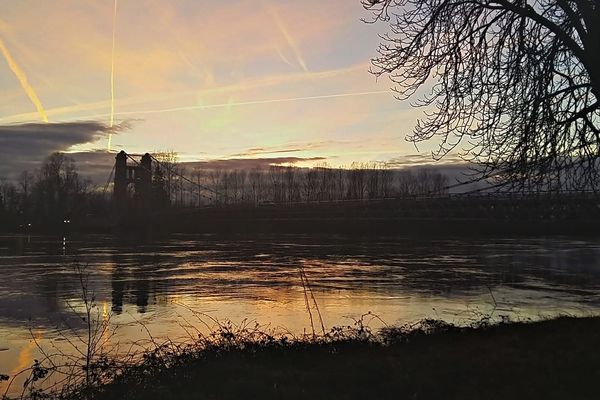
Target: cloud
(249, 163)
(97, 165)
(460, 174)
(94, 165)
(295, 147)
(265, 150)
(24, 146)
(421, 159)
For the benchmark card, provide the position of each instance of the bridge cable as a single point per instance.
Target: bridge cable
(179, 175)
(110, 177)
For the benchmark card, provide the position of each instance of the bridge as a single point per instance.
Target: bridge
(136, 184)
(137, 193)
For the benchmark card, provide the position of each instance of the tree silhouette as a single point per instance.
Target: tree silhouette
(513, 85)
(160, 196)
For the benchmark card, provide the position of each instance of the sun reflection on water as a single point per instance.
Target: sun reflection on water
(162, 287)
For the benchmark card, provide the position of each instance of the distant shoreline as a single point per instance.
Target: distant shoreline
(413, 216)
(427, 216)
(351, 227)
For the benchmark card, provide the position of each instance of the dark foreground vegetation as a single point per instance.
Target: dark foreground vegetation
(553, 359)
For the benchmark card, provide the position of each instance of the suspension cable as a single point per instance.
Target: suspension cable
(110, 177)
(177, 174)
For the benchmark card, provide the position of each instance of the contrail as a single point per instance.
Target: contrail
(140, 100)
(14, 67)
(282, 57)
(235, 104)
(290, 40)
(250, 102)
(112, 77)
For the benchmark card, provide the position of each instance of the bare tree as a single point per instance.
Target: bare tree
(9, 201)
(58, 192)
(326, 183)
(357, 181)
(169, 161)
(218, 185)
(386, 181)
(406, 183)
(310, 184)
(197, 176)
(237, 182)
(256, 186)
(276, 184)
(292, 185)
(340, 183)
(514, 84)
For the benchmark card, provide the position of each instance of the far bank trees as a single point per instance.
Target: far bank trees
(54, 194)
(289, 184)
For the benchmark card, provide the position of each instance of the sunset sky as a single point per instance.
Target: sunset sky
(209, 80)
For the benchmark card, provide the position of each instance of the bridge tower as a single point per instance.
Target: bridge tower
(140, 175)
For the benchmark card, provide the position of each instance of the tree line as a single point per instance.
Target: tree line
(290, 184)
(52, 195)
(56, 193)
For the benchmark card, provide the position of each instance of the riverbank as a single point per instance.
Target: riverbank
(450, 216)
(554, 359)
(463, 216)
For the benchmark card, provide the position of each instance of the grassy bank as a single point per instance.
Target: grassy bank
(555, 359)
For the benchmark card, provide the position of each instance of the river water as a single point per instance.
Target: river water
(159, 287)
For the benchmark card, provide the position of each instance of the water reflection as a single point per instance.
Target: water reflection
(118, 287)
(258, 278)
(38, 278)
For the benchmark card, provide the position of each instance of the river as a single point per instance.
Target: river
(161, 286)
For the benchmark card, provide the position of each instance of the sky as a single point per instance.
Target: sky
(210, 80)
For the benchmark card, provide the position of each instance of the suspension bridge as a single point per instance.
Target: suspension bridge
(136, 200)
(134, 182)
